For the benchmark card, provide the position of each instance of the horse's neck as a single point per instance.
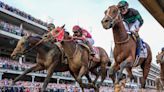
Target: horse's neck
(119, 32)
(69, 47)
(39, 49)
(162, 69)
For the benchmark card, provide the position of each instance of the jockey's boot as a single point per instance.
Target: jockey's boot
(92, 53)
(139, 42)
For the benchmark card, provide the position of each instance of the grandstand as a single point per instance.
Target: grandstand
(14, 24)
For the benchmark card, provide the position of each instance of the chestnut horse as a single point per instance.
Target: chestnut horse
(125, 46)
(48, 58)
(160, 59)
(79, 58)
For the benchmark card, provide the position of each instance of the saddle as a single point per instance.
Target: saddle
(96, 57)
(63, 57)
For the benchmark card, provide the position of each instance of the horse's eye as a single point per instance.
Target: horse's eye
(114, 12)
(22, 43)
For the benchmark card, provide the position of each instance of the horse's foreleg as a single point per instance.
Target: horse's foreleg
(130, 75)
(122, 66)
(75, 76)
(82, 72)
(89, 78)
(112, 71)
(37, 67)
(50, 72)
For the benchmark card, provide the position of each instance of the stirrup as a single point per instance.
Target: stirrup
(92, 53)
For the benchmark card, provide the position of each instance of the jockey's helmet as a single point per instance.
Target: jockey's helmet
(162, 49)
(50, 26)
(76, 28)
(123, 4)
(123, 7)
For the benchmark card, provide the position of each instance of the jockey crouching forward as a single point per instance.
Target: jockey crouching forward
(84, 36)
(132, 21)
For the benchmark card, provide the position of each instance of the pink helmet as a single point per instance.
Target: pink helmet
(76, 28)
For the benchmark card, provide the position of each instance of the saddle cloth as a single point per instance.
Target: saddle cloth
(143, 53)
(97, 52)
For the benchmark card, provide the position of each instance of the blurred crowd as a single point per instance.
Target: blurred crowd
(25, 86)
(5, 26)
(7, 63)
(21, 13)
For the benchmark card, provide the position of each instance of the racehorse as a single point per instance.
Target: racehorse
(125, 47)
(48, 57)
(160, 80)
(79, 58)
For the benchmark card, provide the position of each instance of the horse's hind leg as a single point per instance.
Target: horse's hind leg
(103, 72)
(96, 74)
(37, 67)
(146, 68)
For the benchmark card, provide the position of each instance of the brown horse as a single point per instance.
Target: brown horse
(48, 57)
(125, 46)
(160, 59)
(79, 61)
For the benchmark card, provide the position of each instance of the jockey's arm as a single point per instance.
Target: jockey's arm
(79, 38)
(138, 17)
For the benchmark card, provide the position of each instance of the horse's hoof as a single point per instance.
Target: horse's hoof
(97, 85)
(117, 88)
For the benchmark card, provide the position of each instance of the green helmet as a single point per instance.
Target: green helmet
(123, 3)
(50, 26)
(162, 49)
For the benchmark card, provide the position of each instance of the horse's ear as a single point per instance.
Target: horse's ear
(63, 26)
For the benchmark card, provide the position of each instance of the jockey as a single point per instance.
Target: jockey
(132, 20)
(50, 26)
(85, 36)
(162, 49)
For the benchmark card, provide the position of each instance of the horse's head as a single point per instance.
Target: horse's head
(21, 47)
(59, 34)
(24, 44)
(160, 57)
(111, 17)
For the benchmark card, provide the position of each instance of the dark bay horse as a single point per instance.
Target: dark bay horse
(78, 58)
(48, 58)
(160, 60)
(125, 46)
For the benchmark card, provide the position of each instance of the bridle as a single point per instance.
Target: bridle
(113, 22)
(113, 18)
